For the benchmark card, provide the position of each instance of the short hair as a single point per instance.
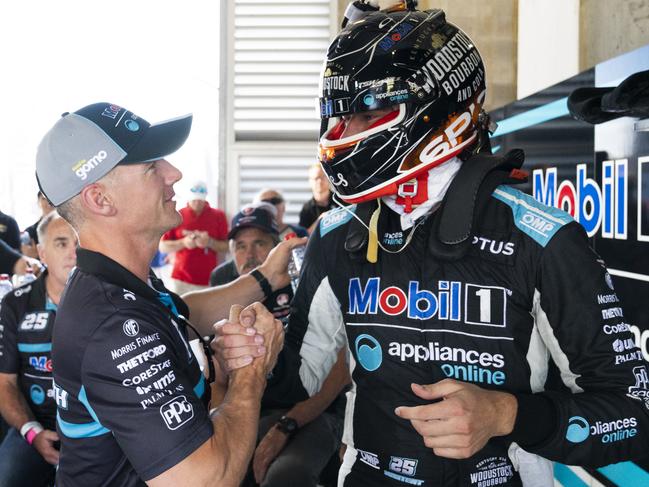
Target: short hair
(257, 198)
(70, 212)
(43, 225)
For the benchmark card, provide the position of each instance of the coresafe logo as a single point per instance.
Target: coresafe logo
(368, 352)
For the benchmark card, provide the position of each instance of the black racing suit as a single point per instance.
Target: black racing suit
(530, 297)
(26, 323)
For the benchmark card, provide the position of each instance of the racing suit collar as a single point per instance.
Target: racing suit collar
(111, 271)
(439, 180)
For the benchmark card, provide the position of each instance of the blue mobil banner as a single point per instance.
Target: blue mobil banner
(600, 175)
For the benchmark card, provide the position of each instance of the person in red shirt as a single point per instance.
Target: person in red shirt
(196, 242)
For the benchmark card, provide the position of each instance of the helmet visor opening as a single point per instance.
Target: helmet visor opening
(346, 131)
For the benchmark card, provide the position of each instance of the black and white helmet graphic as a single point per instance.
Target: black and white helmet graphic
(424, 78)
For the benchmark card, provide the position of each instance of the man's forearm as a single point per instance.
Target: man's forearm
(235, 424)
(168, 246)
(13, 406)
(211, 305)
(219, 246)
(306, 411)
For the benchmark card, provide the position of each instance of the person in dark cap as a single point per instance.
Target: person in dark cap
(253, 234)
(132, 401)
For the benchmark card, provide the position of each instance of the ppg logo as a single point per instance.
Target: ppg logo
(369, 355)
(177, 412)
(578, 429)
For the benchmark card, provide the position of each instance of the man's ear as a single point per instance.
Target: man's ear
(98, 200)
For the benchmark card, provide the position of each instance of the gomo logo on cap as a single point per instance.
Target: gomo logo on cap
(83, 167)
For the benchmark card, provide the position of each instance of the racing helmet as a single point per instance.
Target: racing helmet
(425, 78)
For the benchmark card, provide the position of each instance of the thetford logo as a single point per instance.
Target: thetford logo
(610, 431)
(592, 205)
(83, 167)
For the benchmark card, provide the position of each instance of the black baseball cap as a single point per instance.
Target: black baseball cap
(259, 216)
(84, 146)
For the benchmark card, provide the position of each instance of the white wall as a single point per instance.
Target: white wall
(156, 58)
(548, 43)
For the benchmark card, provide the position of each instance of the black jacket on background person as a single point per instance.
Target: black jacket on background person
(9, 231)
(311, 211)
(26, 324)
(8, 258)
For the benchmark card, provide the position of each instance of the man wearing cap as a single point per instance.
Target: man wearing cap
(196, 241)
(296, 440)
(252, 236)
(132, 401)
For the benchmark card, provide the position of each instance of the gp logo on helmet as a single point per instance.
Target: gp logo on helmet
(453, 134)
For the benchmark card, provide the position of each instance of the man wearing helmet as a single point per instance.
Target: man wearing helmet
(441, 274)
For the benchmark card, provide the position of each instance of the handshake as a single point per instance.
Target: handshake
(249, 337)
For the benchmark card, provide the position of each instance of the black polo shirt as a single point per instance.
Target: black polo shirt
(131, 399)
(26, 322)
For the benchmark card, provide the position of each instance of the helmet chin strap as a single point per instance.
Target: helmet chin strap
(413, 192)
(421, 195)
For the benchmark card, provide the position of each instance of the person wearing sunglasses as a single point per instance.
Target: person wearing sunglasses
(132, 402)
(275, 198)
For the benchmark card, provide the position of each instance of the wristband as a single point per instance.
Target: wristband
(30, 430)
(263, 282)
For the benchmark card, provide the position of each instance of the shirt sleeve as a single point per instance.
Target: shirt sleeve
(137, 385)
(172, 234)
(314, 334)
(8, 258)
(603, 417)
(9, 361)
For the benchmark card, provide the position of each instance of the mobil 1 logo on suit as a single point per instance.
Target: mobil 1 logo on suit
(177, 412)
(475, 304)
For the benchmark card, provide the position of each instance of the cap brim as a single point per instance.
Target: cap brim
(233, 232)
(160, 140)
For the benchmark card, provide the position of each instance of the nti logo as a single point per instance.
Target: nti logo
(483, 305)
(588, 203)
(610, 431)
